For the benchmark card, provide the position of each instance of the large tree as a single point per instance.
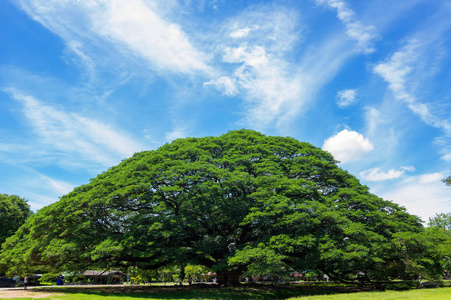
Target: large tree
(440, 231)
(235, 202)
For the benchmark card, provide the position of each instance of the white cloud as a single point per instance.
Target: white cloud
(259, 67)
(58, 186)
(364, 35)
(40, 200)
(408, 168)
(396, 72)
(375, 174)
(430, 178)
(347, 146)
(132, 27)
(346, 97)
(373, 119)
(12, 148)
(225, 84)
(254, 45)
(177, 133)
(424, 195)
(39, 182)
(73, 134)
(262, 78)
(38, 188)
(239, 33)
(35, 206)
(133, 24)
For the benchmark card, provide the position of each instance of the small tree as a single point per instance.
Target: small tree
(440, 232)
(196, 272)
(442, 220)
(13, 213)
(447, 180)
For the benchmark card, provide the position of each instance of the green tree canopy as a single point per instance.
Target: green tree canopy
(439, 232)
(442, 220)
(241, 201)
(13, 213)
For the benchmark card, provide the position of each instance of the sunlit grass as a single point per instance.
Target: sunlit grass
(426, 294)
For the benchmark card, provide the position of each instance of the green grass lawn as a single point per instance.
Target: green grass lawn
(423, 294)
(261, 292)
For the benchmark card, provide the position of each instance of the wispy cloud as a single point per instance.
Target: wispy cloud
(381, 127)
(133, 28)
(255, 44)
(177, 133)
(241, 32)
(397, 71)
(35, 186)
(257, 51)
(363, 34)
(43, 184)
(164, 44)
(347, 146)
(269, 83)
(12, 147)
(76, 135)
(228, 86)
(60, 187)
(39, 200)
(375, 174)
(346, 97)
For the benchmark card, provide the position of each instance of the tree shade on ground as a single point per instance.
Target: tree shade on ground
(239, 202)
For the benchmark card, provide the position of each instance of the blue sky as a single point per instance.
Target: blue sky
(85, 84)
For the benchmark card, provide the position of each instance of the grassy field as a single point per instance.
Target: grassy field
(423, 294)
(260, 292)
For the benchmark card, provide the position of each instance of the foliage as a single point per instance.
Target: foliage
(440, 232)
(241, 201)
(195, 272)
(13, 213)
(49, 277)
(167, 273)
(262, 262)
(136, 280)
(442, 220)
(447, 180)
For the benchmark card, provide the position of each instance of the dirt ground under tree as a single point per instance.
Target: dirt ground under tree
(16, 293)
